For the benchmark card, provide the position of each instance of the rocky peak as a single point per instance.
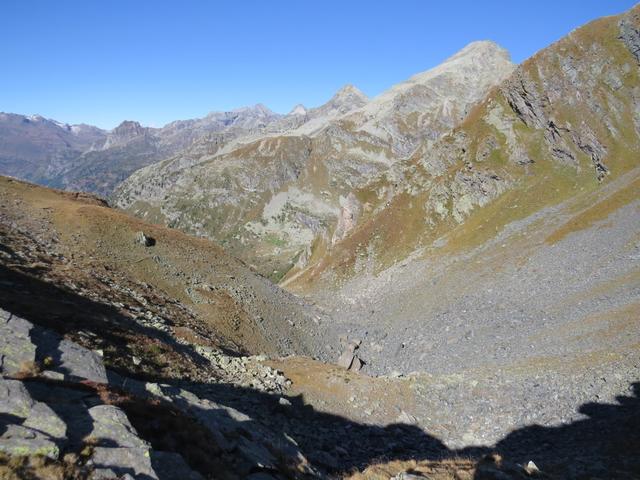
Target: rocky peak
(262, 109)
(124, 133)
(349, 96)
(482, 48)
(346, 99)
(298, 110)
(257, 110)
(36, 118)
(128, 128)
(485, 60)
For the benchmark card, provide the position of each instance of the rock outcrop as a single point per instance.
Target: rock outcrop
(61, 402)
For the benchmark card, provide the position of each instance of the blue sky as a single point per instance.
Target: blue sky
(101, 62)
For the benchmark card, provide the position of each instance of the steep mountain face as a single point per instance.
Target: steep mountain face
(516, 234)
(566, 121)
(81, 157)
(429, 103)
(274, 198)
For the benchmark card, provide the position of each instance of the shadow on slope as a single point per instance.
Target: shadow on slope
(606, 444)
(98, 325)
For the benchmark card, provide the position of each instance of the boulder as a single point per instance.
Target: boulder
(111, 428)
(110, 463)
(17, 351)
(44, 419)
(76, 363)
(19, 440)
(349, 359)
(172, 466)
(145, 240)
(531, 468)
(27, 426)
(15, 400)
(356, 364)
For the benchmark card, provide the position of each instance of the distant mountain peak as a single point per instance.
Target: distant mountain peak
(127, 126)
(257, 109)
(299, 109)
(481, 48)
(260, 107)
(123, 133)
(349, 91)
(345, 99)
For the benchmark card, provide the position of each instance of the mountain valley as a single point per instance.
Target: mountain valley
(440, 282)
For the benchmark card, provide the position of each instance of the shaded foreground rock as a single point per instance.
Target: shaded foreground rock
(86, 409)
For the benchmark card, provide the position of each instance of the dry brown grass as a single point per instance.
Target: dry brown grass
(28, 369)
(42, 468)
(448, 469)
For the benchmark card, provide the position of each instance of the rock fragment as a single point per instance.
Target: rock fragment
(145, 240)
(349, 359)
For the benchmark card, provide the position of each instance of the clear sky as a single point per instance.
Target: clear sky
(101, 62)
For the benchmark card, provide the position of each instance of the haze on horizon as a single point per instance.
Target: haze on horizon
(155, 62)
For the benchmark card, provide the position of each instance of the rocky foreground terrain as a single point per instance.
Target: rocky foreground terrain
(459, 281)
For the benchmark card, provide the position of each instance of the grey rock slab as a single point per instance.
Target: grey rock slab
(19, 440)
(27, 425)
(15, 400)
(256, 454)
(81, 363)
(112, 463)
(112, 428)
(16, 347)
(171, 466)
(43, 418)
(72, 360)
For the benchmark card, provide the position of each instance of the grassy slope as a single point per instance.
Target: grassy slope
(236, 306)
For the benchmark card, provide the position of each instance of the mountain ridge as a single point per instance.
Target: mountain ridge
(315, 161)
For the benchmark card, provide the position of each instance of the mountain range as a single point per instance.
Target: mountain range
(83, 157)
